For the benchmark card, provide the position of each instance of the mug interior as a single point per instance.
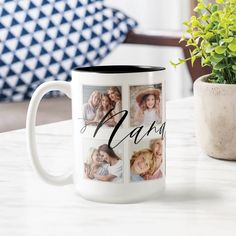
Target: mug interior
(114, 69)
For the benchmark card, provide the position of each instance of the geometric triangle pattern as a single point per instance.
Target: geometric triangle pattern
(43, 40)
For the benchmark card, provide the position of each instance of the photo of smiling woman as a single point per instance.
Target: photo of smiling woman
(145, 163)
(103, 163)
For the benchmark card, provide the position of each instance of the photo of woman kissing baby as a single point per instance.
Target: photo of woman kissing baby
(103, 164)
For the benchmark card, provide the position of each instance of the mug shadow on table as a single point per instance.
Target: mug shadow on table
(187, 194)
(175, 195)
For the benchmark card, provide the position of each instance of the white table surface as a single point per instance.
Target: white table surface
(200, 197)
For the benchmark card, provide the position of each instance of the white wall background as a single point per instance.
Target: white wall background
(156, 15)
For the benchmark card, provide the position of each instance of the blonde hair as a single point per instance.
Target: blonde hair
(92, 95)
(153, 142)
(101, 108)
(143, 103)
(91, 152)
(147, 152)
(116, 91)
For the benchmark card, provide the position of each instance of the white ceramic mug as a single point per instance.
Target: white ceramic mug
(119, 118)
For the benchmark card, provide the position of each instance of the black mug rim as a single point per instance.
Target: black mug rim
(118, 69)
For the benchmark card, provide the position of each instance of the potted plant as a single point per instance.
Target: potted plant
(212, 38)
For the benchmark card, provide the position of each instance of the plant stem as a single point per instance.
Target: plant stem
(208, 10)
(227, 71)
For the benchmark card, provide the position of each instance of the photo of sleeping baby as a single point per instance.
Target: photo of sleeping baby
(103, 163)
(98, 101)
(146, 161)
(145, 105)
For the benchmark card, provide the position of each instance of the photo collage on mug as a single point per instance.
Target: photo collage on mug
(102, 163)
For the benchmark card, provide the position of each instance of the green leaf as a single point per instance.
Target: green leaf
(196, 33)
(196, 9)
(173, 64)
(183, 38)
(205, 17)
(193, 58)
(201, 6)
(232, 47)
(220, 66)
(214, 8)
(234, 67)
(216, 58)
(209, 35)
(228, 40)
(186, 23)
(220, 49)
(181, 61)
(232, 28)
(195, 23)
(221, 42)
(220, 1)
(222, 32)
(232, 53)
(206, 61)
(209, 49)
(215, 16)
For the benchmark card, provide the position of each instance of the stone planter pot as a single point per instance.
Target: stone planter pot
(215, 114)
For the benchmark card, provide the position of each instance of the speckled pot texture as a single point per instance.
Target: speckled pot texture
(215, 115)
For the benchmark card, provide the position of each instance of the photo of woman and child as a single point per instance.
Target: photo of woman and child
(100, 101)
(145, 164)
(103, 164)
(145, 105)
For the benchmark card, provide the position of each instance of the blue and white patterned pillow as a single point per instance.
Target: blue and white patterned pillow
(42, 40)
